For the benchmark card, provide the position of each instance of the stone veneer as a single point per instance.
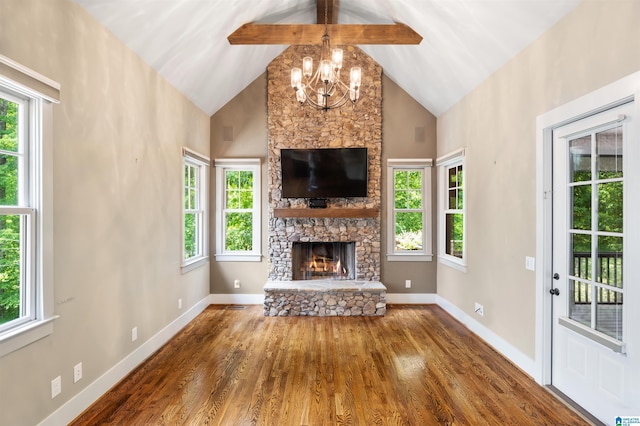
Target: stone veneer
(293, 126)
(325, 298)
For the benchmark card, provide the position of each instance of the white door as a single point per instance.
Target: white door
(596, 263)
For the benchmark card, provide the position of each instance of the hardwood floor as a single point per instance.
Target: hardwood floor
(414, 366)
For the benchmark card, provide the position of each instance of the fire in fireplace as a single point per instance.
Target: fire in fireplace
(323, 260)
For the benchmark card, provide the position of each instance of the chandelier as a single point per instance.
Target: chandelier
(323, 88)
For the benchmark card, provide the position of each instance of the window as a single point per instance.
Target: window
(238, 210)
(26, 287)
(409, 210)
(194, 223)
(452, 247)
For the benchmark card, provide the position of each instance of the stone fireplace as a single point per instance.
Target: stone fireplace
(353, 221)
(292, 126)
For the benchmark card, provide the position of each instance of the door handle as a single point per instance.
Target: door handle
(554, 292)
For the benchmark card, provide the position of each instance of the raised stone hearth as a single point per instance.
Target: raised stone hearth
(324, 298)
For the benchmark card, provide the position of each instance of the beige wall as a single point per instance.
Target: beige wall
(247, 114)
(401, 115)
(594, 45)
(118, 133)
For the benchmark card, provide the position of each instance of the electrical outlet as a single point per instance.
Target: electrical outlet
(179, 303)
(77, 372)
(56, 387)
(236, 284)
(479, 309)
(407, 283)
(134, 334)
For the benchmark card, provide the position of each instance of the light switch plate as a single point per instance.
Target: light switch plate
(530, 263)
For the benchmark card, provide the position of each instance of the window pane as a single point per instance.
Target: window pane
(400, 178)
(400, 184)
(8, 125)
(609, 153)
(400, 201)
(453, 199)
(10, 265)
(460, 180)
(415, 179)
(609, 313)
(609, 268)
(190, 235)
(195, 177)
(581, 205)
(460, 205)
(453, 177)
(193, 195)
(408, 231)
(246, 179)
(610, 207)
(233, 179)
(8, 180)
(415, 199)
(233, 199)
(580, 303)
(580, 162)
(454, 235)
(239, 233)
(582, 261)
(246, 199)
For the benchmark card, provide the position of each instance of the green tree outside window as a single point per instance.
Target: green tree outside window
(10, 240)
(407, 186)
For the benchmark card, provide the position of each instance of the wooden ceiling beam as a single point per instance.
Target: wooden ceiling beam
(332, 11)
(310, 34)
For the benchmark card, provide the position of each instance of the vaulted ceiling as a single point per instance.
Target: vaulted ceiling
(464, 41)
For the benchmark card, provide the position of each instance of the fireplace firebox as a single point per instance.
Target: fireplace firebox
(323, 260)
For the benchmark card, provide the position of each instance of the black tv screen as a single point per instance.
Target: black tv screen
(324, 173)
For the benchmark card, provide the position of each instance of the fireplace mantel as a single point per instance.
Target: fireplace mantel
(327, 212)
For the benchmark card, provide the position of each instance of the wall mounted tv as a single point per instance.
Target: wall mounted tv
(324, 173)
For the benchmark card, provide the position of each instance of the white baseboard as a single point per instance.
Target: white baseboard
(258, 299)
(498, 343)
(411, 298)
(236, 299)
(81, 401)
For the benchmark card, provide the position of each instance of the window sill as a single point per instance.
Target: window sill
(238, 257)
(20, 337)
(409, 257)
(194, 264)
(452, 263)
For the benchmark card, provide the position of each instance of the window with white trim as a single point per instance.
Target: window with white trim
(238, 209)
(452, 230)
(409, 210)
(26, 245)
(194, 209)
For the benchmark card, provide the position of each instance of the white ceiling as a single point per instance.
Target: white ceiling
(464, 41)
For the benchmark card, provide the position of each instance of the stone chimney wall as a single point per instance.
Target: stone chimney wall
(293, 126)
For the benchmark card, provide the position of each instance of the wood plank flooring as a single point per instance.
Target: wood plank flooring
(415, 366)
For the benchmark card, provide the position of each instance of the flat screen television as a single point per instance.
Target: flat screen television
(324, 172)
